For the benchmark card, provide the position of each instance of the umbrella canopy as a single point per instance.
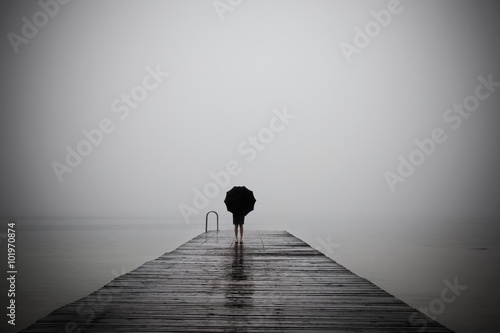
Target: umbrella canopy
(239, 200)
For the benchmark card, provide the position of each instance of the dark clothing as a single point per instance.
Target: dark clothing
(238, 219)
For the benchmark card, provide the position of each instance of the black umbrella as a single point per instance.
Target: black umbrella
(239, 200)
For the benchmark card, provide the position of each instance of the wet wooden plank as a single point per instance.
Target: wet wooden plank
(273, 282)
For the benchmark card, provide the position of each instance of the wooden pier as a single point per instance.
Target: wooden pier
(273, 282)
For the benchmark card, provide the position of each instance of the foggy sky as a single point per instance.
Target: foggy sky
(226, 81)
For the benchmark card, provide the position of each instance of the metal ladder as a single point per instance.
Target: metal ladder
(206, 220)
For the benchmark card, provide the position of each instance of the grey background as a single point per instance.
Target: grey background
(326, 169)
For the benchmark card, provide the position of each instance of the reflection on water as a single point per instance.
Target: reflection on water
(239, 291)
(64, 260)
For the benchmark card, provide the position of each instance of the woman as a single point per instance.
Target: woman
(238, 220)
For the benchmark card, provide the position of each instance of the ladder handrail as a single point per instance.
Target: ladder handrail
(206, 220)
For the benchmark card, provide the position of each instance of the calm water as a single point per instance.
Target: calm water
(60, 261)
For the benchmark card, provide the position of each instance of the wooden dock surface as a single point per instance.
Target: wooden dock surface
(273, 282)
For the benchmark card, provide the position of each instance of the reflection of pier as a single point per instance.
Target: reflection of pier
(273, 282)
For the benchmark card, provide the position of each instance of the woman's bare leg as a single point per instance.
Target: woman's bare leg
(236, 233)
(241, 232)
